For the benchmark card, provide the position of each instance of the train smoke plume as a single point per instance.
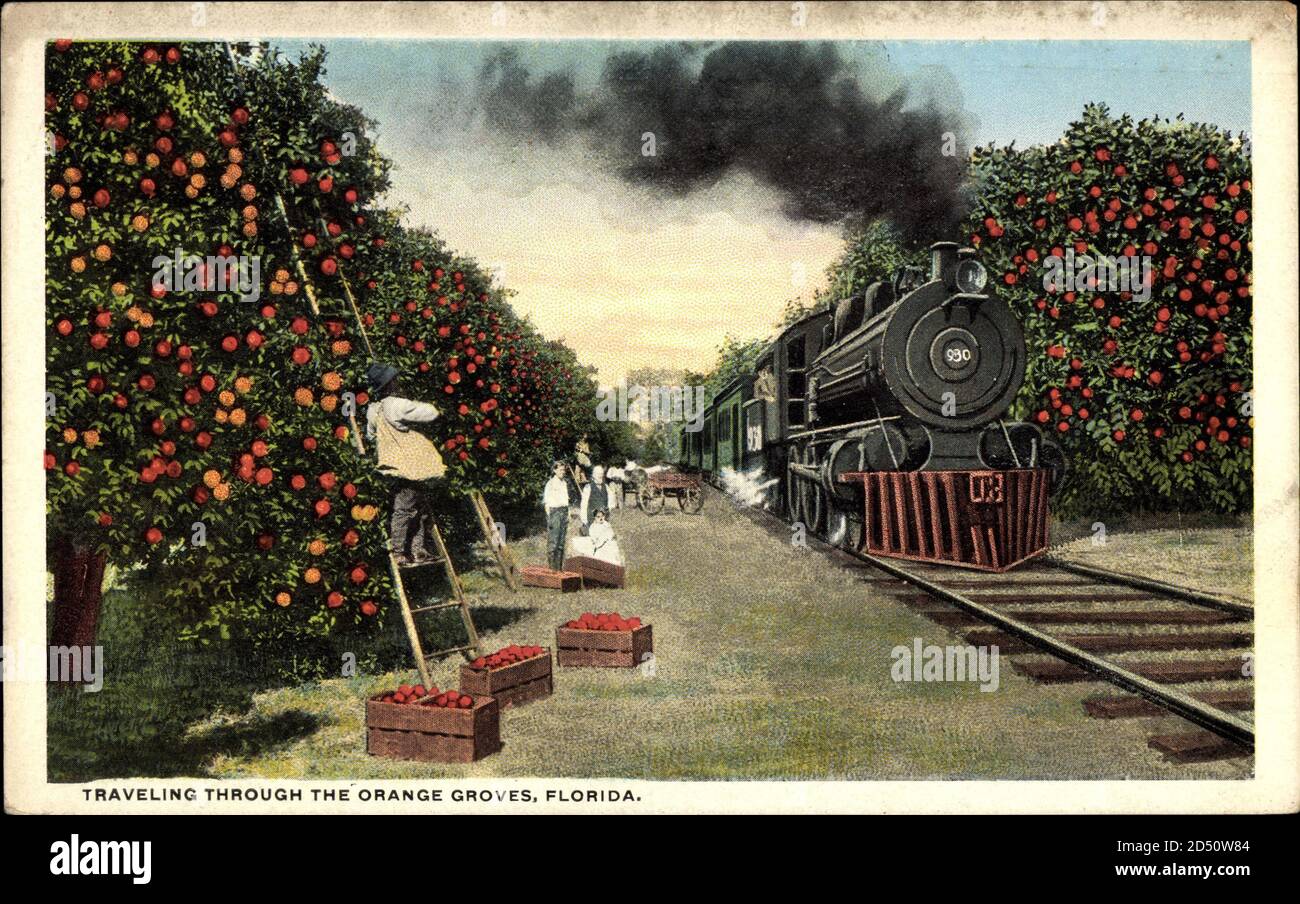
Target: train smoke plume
(794, 116)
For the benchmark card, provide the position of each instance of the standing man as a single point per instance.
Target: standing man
(409, 459)
(595, 497)
(555, 500)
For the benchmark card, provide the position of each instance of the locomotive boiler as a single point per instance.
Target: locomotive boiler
(879, 423)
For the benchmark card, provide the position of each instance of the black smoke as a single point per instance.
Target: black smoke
(795, 116)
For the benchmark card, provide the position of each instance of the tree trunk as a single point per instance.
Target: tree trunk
(78, 593)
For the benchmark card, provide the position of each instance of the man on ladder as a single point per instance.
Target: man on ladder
(409, 459)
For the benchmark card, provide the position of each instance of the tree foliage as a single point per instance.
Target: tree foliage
(182, 412)
(1148, 391)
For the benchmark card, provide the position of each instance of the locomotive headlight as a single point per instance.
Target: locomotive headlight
(971, 277)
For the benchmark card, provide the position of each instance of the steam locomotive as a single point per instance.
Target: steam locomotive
(878, 424)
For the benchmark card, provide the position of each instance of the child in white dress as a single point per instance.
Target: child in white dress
(600, 542)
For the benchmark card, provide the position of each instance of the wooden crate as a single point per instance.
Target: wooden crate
(433, 734)
(541, 576)
(576, 648)
(513, 685)
(595, 573)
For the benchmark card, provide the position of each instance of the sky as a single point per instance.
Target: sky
(632, 277)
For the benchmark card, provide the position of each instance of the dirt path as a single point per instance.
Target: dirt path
(771, 662)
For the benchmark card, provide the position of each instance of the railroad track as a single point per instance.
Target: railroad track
(1170, 650)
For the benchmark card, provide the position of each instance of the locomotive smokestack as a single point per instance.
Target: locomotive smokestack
(943, 262)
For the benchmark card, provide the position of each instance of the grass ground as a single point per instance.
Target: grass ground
(771, 663)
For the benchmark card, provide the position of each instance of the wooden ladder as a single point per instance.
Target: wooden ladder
(495, 542)
(456, 600)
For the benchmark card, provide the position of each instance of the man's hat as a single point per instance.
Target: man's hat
(380, 375)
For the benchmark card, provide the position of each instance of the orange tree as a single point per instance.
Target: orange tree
(209, 437)
(1147, 391)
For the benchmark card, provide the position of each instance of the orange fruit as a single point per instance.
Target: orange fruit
(331, 380)
(211, 478)
(291, 288)
(57, 190)
(197, 159)
(316, 547)
(276, 288)
(283, 599)
(132, 313)
(74, 192)
(77, 209)
(90, 438)
(221, 491)
(235, 155)
(341, 347)
(78, 264)
(282, 275)
(247, 191)
(103, 252)
(151, 160)
(228, 181)
(221, 415)
(250, 229)
(146, 319)
(191, 192)
(139, 222)
(198, 180)
(130, 157)
(72, 175)
(238, 416)
(69, 435)
(226, 397)
(243, 384)
(303, 397)
(329, 402)
(119, 289)
(234, 172)
(249, 212)
(311, 575)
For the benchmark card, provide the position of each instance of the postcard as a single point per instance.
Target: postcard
(650, 408)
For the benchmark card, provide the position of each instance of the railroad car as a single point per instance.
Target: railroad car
(878, 423)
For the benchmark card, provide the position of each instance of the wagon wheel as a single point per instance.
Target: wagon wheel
(651, 499)
(691, 499)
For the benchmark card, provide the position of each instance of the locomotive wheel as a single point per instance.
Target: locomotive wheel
(651, 500)
(793, 496)
(812, 503)
(845, 530)
(691, 500)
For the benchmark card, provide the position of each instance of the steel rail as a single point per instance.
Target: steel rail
(1221, 723)
(1183, 593)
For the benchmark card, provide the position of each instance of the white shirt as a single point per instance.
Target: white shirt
(399, 412)
(556, 494)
